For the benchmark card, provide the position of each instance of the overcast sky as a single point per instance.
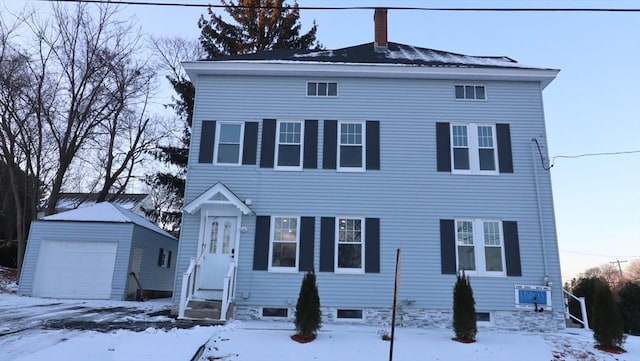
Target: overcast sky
(593, 106)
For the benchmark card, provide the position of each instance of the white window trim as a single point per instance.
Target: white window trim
(474, 91)
(479, 248)
(474, 149)
(362, 168)
(306, 90)
(337, 242)
(271, 240)
(277, 150)
(217, 143)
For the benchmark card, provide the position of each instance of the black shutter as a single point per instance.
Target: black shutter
(448, 247)
(261, 245)
(310, 144)
(372, 245)
(160, 257)
(207, 140)
(268, 143)
(250, 144)
(169, 260)
(443, 147)
(307, 235)
(329, 151)
(327, 243)
(505, 160)
(512, 248)
(373, 145)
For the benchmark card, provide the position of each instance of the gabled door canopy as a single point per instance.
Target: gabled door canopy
(216, 195)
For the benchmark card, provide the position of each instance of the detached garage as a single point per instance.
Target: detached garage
(94, 253)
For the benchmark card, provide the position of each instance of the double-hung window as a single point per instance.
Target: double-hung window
(289, 145)
(474, 148)
(351, 146)
(349, 245)
(480, 247)
(228, 149)
(285, 236)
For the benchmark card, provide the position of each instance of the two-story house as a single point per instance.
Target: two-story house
(332, 160)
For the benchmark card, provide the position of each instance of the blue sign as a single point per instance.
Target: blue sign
(532, 296)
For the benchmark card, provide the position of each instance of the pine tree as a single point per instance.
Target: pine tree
(630, 307)
(308, 319)
(608, 329)
(260, 25)
(464, 310)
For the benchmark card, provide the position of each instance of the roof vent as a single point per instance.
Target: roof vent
(380, 44)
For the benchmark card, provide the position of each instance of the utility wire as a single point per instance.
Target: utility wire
(598, 255)
(175, 4)
(595, 154)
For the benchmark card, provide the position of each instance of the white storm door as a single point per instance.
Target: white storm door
(219, 243)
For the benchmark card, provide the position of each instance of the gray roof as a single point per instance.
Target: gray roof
(75, 200)
(394, 54)
(105, 212)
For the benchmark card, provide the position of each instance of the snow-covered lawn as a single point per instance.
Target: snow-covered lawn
(261, 340)
(34, 339)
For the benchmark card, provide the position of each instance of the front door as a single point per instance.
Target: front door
(218, 247)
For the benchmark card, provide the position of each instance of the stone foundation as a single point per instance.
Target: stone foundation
(516, 320)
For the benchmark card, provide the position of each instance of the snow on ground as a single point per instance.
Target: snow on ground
(119, 345)
(262, 340)
(27, 334)
(52, 329)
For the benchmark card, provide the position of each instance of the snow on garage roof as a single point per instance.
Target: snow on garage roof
(105, 212)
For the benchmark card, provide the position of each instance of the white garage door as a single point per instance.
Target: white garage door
(75, 269)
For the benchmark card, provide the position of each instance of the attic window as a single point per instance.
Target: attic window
(322, 89)
(470, 92)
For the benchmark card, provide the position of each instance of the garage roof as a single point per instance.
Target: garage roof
(105, 212)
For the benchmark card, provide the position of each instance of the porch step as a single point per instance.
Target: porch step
(572, 324)
(204, 304)
(203, 310)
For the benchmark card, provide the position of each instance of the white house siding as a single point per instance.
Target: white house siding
(152, 276)
(81, 231)
(407, 194)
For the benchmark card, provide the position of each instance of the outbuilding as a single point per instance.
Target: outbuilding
(101, 251)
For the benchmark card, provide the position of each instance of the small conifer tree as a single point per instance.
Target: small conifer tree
(308, 318)
(630, 307)
(464, 310)
(608, 329)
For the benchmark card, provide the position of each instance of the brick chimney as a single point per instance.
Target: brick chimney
(380, 30)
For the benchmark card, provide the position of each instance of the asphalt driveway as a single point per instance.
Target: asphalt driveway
(21, 314)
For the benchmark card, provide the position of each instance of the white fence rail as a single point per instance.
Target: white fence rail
(227, 290)
(188, 287)
(583, 309)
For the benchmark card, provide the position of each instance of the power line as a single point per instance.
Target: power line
(598, 255)
(596, 154)
(403, 8)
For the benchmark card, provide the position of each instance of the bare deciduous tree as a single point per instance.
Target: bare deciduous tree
(606, 272)
(90, 57)
(632, 271)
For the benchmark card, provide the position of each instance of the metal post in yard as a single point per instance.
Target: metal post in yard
(395, 302)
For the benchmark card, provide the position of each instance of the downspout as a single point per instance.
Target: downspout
(534, 144)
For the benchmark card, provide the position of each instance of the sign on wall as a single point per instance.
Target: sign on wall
(533, 297)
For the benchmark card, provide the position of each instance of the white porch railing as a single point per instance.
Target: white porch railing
(189, 282)
(227, 290)
(583, 309)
